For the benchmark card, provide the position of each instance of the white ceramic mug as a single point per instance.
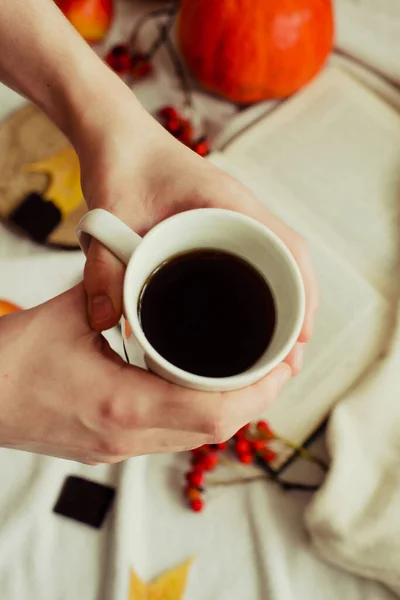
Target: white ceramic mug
(195, 229)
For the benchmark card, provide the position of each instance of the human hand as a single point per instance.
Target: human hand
(62, 390)
(65, 393)
(136, 170)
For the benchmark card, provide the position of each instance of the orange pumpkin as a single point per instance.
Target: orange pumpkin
(252, 50)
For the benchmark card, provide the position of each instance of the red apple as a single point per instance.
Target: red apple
(91, 18)
(7, 307)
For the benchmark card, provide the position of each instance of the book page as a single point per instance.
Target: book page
(351, 330)
(336, 148)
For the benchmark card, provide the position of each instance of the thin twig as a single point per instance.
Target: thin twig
(297, 487)
(285, 485)
(306, 454)
(179, 71)
(237, 481)
(162, 38)
(159, 12)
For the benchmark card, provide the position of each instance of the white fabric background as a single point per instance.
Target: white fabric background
(251, 542)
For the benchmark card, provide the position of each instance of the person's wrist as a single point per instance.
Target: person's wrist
(103, 109)
(116, 140)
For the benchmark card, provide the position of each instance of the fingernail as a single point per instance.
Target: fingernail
(101, 309)
(284, 376)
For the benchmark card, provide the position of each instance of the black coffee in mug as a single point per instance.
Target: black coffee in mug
(208, 312)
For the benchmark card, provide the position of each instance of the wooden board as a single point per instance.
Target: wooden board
(25, 137)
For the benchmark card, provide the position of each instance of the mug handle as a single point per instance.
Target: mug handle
(113, 233)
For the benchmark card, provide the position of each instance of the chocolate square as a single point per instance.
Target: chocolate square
(36, 216)
(85, 501)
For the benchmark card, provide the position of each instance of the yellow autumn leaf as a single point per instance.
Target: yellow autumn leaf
(64, 188)
(137, 589)
(169, 586)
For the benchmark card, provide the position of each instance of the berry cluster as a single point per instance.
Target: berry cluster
(136, 64)
(182, 129)
(249, 443)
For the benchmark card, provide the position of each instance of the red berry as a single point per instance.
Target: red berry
(197, 505)
(221, 446)
(258, 445)
(242, 446)
(193, 493)
(269, 455)
(185, 133)
(174, 126)
(200, 464)
(197, 456)
(242, 431)
(195, 478)
(140, 65)
(189, 487)
(118, 59)
(168, 112)
(201, 146)
(201, 450)
(265, 430)
(263, 426)
(246, 457)
(210, 461)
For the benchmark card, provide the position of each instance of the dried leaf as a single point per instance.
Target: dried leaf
(137, 589)
(64, 188)
(169, 586)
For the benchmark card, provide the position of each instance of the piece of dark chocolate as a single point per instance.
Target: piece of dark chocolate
(85, 501)
(36, 217)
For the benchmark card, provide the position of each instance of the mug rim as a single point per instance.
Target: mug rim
(240, 379)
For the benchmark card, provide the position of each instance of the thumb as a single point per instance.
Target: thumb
(103, 277)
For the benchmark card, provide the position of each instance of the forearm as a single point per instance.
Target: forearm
(43, 58)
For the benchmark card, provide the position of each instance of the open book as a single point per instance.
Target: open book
(327, 162)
